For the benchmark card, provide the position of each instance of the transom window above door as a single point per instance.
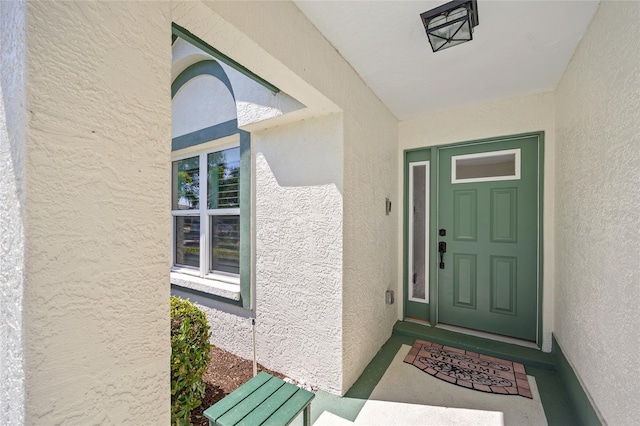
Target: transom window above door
(486, 166)
(206, 214)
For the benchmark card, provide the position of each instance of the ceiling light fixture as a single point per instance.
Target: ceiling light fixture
(450, 24)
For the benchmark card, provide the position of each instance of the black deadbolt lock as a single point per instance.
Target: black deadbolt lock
(442, 232)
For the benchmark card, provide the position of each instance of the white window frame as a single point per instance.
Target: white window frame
(426, 233)
(515, 176)
(195, 278)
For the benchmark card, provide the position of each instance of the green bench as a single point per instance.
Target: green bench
(263, 400)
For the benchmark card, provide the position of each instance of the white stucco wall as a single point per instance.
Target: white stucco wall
(298, 256)
(500, 118)
(299, 248)
(277, 42)
(214, 102)
(370, 240)
(297, 218)
(598, 212)
(255, 103)
(12, 173)
(96, 317)
(370, 135)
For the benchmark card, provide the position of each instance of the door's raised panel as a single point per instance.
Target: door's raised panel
(503, 284)
(465, 215)
(504, 215)
(465, 280)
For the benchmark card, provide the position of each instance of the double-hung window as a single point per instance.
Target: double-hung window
(206, 214)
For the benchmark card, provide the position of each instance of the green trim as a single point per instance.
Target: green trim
(173, 38)
(405, 233)
(184, 34)
(558, 407)
(529, 356)
(555, 401)
(245, 219)
(540, 233)
(489, 140)
(208, 67)
(205, 135)
(578, 397)
(216, 132)
(433, 252)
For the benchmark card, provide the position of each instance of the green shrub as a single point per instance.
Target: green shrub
(190, 355)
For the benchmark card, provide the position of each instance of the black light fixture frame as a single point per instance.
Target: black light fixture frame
(445, 9)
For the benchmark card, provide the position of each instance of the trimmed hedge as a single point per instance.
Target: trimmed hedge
(190, 355)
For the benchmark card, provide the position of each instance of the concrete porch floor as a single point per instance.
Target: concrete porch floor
(555, 401)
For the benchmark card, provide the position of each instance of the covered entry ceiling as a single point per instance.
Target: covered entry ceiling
(519, 48)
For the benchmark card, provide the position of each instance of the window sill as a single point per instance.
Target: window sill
(207, 286)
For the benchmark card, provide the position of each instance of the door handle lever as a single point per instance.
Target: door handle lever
(442, 249)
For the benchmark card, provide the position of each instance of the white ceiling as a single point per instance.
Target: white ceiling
(519, 48)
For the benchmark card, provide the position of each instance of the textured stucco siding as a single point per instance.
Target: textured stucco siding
(12, 173)
(276, 41)
(370, 140)
(297, 221)
(202, 102)
(299, 250)
(298, 256)
(598, 212)
(370, 240)
(500, 118)
(254, 102)
(96, 322)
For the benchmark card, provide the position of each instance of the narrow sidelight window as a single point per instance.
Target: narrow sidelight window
(418, 232)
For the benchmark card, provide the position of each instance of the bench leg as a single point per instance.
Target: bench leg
(306, 416)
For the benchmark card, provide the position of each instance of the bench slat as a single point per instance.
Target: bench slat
(290, 409)
(250, 403)
(270, 406)
(217, 410)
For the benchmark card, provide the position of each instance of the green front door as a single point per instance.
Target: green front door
(488, 218)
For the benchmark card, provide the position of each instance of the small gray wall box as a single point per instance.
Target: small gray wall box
(389, 299)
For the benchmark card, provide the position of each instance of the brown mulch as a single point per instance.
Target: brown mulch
(226, 372)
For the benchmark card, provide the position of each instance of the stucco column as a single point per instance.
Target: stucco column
(97, 165)
(12, 168)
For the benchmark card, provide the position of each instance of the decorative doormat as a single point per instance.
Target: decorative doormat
(470, 370)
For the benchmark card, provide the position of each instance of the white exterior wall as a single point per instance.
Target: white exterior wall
(370, 138)
(598, 212)
(297, 215)
(214, 103)
(12, 174)
(254, 102)
(370, 240)
(500, 118)
(96, 298)
(299, 240)
(277, 42)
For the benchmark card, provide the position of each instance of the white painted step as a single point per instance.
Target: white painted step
(329, 419)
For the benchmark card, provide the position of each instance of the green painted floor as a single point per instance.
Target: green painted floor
(555, 401)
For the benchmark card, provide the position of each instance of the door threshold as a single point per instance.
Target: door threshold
(417, 321)
(489, 336)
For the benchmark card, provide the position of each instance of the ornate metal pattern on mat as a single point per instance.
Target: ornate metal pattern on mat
(470, 370)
